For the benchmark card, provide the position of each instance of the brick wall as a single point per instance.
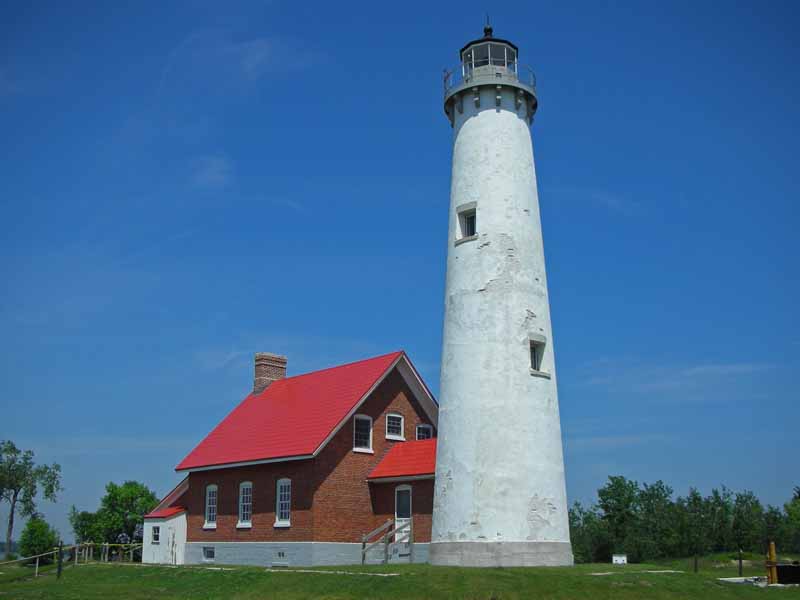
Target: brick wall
(331, 499)
(342, 503)
(264, 479)
(421, 505)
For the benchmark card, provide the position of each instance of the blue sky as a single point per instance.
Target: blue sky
(184, 185)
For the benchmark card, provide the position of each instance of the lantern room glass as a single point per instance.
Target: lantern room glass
(486, 54)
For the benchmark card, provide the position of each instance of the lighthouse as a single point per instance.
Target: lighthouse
(500, 495)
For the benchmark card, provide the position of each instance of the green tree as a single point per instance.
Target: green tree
(84, 524)
(656, 533)
(591, 539)
(122, 508)
(37, 537)
(618, 500)
(775, 528)
(696, 523)
(792, 510)
(720, 514)
(748, 522)
(20, 480)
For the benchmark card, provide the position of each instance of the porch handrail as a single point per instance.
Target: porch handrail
(390, 531)
(383, 527)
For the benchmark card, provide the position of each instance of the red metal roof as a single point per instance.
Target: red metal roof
(407, 459)
(163, 513)
(291, 418)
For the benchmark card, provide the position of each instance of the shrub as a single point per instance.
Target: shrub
(37, 537)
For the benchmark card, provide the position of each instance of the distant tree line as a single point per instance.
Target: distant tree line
(646, 522)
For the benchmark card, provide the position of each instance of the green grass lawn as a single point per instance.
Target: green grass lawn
(122, 582)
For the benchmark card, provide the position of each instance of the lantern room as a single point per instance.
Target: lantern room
(488, 52)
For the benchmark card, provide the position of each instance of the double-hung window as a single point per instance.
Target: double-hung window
(156, 536)
(424, 432)
(283, 503)
(245, 504)
(211, 507)
(395, 427)
(362, 433)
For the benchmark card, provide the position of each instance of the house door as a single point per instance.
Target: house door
(402, 511)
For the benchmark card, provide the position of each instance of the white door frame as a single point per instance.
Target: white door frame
(403, 536)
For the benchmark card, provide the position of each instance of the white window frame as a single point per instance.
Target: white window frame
(213, 551)
(245, 523)
(537, 344)
(404, 488)
(394, 436)
(359, 448)
(208, 524)
(155, 535)
(424, 426)
(463, 212)
(279, 522)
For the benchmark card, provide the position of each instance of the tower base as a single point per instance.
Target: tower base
(501, 554)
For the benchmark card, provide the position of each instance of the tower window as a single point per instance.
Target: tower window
(467, 222)
(537, 353)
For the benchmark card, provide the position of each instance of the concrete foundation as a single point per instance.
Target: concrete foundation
(296, 554)
(501, 554)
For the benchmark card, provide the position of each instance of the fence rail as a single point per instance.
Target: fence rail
(389, 531)
(76, 554)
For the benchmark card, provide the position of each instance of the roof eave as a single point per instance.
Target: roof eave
(400, 478)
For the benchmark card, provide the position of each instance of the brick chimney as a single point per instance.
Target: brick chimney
(269, 367)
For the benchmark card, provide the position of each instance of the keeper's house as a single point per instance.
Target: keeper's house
(305, 466)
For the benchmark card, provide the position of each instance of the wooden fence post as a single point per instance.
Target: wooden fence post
(75, 549)
(363, 549)
(772, 572)
(36, 572)
(386, 548)
(60, 559)
(411, 541)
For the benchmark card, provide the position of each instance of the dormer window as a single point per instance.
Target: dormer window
(362, 434)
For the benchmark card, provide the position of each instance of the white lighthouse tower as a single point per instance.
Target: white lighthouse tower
(500, 497)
